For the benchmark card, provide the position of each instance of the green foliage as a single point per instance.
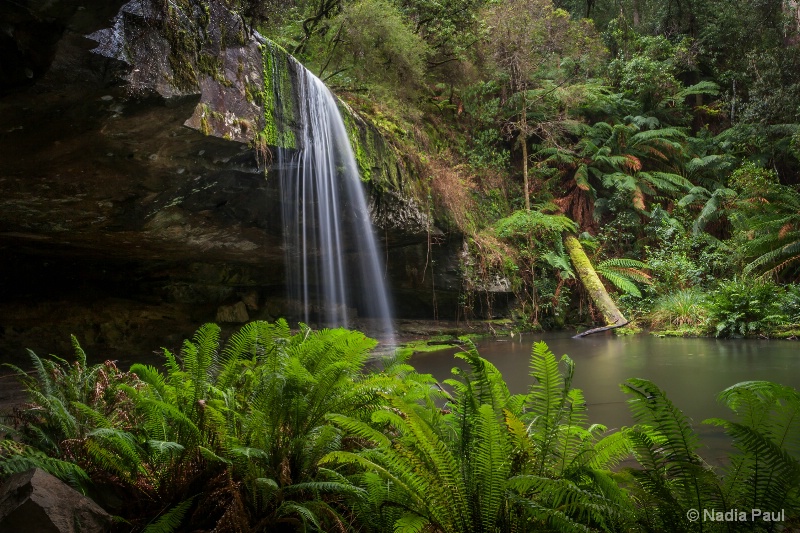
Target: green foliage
(16, 458)
(526, 248)
(279, 430)
(769, 223)
(791, 303)
(256, 408)
(744, 307)
(245, 419)
(684, 308)
(764, 472)
(637, 159)
(647, 69)
(171, 520)
(492, 461)
(680, 259)
(533, 224)
(623, 273)
(68, 403)
(371, 42)
(486, 154)
(673, 478)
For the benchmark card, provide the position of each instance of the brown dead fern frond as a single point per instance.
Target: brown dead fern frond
(452, 188)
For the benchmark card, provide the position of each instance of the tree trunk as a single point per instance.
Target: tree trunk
(525, 171)
(612, 316)
(524, 140)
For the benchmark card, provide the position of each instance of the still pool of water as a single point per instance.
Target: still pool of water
(692, 372)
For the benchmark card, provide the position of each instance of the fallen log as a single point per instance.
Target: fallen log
(599, 330)
(612, 316)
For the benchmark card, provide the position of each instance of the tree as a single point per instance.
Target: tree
(773, 231)
(638, 158)
(611, 314)
(524, 37)
(370, 42)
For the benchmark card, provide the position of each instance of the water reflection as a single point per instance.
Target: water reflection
(691, 371)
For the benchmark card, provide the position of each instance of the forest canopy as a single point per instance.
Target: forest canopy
(667, 131)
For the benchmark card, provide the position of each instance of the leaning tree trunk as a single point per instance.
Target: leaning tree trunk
(612, 316)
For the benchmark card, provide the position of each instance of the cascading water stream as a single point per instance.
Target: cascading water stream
(332, 260)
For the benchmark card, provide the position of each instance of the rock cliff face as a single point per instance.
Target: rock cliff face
(137, 196)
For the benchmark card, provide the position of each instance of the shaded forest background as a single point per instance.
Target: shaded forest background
(665, 133)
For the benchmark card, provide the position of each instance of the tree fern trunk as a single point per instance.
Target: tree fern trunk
(612, 316)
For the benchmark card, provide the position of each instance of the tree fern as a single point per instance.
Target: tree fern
(772, 225)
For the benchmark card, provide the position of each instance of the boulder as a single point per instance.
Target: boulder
(37, 501)
(236, 313)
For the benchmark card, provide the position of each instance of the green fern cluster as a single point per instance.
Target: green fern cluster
(69, 405)
(274, 430)
(489, 461)
(624, 273)
(763, 472)
(255, 410)
(534, 224)
(227, 435)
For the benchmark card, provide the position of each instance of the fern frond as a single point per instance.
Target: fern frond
(170, 521)
(621, 282)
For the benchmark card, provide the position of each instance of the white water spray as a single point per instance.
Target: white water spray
(332, 260)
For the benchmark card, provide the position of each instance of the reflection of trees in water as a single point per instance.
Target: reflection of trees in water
(691, 371)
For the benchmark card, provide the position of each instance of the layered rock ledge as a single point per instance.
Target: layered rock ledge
(138, 197)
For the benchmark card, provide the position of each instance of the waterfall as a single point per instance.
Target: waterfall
(332, 258)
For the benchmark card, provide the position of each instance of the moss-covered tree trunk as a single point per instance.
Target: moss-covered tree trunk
(612, 316)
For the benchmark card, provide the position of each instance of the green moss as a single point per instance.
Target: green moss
(183, 49)
(793, 333)
(277, 97)
(372, 153)
(625, 331)
(185, 28)
(240, 70)
(212, 66)
(423, 346)
(686, 331)
(588, 276)
(205, 126)
(207, 117)
(254, 94)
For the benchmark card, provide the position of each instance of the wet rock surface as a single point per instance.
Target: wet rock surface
(37, 501)
(134, 202)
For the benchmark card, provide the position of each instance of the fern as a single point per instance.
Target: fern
(665, 444)
(623, 272)
(765, 470)
(16, 458)
(171, 520)
(471, 469)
